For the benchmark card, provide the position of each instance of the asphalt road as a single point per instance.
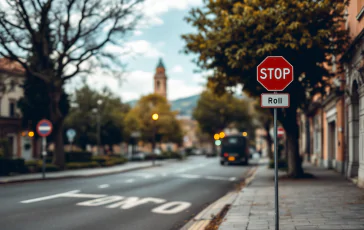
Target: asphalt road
(160, 198)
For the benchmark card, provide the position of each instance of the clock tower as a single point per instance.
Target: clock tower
(160, 80)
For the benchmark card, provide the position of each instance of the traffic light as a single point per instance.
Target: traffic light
(217, 142)
(222, 135)
(245, 134)
(216, 136)
(31, 134)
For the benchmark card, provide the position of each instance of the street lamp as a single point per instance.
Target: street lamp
(155, 117)
(98, 120)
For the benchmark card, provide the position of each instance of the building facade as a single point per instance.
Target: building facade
(11, 79)
(353, 61)
(332, 130)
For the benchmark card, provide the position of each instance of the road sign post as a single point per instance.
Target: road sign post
(71, 133)
(275, 73)
(44, 129)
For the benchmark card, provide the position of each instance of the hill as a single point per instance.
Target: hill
(184, 105)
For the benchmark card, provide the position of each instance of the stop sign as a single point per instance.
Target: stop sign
(275, 73)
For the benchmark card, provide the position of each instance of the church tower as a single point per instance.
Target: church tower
(160, 80)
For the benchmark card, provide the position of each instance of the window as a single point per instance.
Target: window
(346, 14)
(12, 108)
(317, 134)
(158, 84)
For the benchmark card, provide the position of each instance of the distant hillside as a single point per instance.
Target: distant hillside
(184, 105)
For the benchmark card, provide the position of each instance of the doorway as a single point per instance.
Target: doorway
(331, 159)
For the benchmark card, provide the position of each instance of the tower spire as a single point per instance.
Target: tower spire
(160, 63)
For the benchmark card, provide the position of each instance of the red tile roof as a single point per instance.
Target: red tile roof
(10, 66)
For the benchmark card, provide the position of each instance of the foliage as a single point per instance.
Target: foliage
(214, 113)
(84, 120)
(167, 127)
(9, 166)
(53, 46)
(34, 104)
(233, 37)
(80, 165)
(5, 148)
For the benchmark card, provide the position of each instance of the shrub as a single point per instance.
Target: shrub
(33, 165)
(82, 165)
(282, 164)
(74, 156)
(114, 161)
(50, 168)
(100, 159)
(8, 166)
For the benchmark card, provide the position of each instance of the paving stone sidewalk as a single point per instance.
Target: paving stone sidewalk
(328, 201)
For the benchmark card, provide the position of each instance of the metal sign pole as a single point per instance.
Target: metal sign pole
(44, 154)
(276, 204)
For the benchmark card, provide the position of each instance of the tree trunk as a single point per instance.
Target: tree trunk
(268, 139)
(295, 169)
(58, 157)
(57, 120)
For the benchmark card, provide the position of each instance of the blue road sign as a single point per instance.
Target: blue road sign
(71, 133)
(44, 128)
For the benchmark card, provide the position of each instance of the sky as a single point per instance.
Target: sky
(159, 38)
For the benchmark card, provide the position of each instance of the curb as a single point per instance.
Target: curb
(4, 182)
(206, 216)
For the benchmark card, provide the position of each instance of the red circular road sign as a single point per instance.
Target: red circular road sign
(44, 128)
(275, 73)
(280, 132)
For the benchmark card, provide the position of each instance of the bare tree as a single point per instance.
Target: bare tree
(55, 40)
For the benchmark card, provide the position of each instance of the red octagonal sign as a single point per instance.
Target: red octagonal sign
(275, 73)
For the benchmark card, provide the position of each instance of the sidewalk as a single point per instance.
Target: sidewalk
(327, 201)
(81, 172)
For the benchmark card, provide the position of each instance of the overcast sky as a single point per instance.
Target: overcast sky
(161, 37)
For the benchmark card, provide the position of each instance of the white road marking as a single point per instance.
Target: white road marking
(215, 178)
(73, 193)
(104, 186)
(132, 202)
(84, 195)
(172, 207)
(100, 201)
(189, 176)
(149, 176)
(121, 202)
(232, 178)
(48, 197)
(129, 181)
(141, 174)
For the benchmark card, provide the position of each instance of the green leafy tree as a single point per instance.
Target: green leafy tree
(214, 112)
(167, 127)
(53, 45)
(233, 37)
(83, 118)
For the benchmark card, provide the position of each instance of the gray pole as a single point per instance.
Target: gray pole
(276, 171)
(44, 154)
(98, 132)
(154, 140)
